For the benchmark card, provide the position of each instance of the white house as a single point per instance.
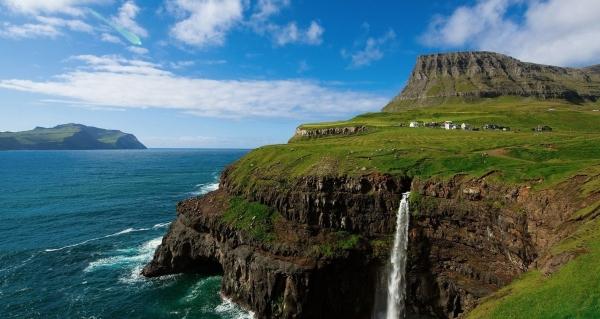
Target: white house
(414, 124)
(465, 126)
(449, 126)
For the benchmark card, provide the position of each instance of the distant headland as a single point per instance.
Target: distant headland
(68, 137)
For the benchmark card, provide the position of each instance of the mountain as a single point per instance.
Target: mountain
(470, 75)
(503, 223)
(68, 137)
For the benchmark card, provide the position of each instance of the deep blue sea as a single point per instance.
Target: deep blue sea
(76, 227)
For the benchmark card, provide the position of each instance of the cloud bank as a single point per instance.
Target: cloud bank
(554, 32)
(112, 81)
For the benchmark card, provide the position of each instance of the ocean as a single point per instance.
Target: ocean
(76, 227)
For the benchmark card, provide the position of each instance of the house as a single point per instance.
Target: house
(415, 124)
(449, 125)
(542, 128)
(465, 126)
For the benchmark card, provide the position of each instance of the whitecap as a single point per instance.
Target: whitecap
(132, 257)
(232, 310)
(161, 225)
(205, 188)
(122, 232)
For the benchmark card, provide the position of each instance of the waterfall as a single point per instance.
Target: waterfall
(397, 277)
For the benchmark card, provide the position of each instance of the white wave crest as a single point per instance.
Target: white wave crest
(124, 231)
(205, 188)
(232, 310)
(161, 225)
(129, 257)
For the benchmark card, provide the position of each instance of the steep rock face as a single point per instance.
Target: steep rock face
(487, 74)
(282, 279)
(468, 237)
(365, 205)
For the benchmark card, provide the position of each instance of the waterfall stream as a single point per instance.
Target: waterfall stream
(397, 277)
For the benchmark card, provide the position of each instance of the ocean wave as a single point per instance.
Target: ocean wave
(232, 310)
(128, 257)
(205, 188)
(122, 232)
(161, 225)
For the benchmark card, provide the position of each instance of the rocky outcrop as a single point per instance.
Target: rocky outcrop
(436, 77)
(468, 237)
(287, 278)
(329, 131)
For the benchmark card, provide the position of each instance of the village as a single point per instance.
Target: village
(449, 125)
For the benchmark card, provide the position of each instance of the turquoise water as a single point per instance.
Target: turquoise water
(76, 227)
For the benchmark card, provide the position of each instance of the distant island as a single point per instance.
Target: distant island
(68, 137)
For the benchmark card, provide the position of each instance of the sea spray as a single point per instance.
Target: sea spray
(397, 277)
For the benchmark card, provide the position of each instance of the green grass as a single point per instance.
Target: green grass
(571, 292)
(340, 242)
(254, 218)
(517, 156)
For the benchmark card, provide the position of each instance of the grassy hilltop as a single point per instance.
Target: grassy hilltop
(389, 146)
(567, 100)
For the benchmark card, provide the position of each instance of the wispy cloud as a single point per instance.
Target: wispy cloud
(553, 31)
(369, 51)
(204, 22)
(35, 7)
(113, 81)
(43, 27)
(283, 34)
(126, 18)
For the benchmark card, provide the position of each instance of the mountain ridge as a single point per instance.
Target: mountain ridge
(480, 74)
(69, 136)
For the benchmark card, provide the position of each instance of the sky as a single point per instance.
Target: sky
(245, 73)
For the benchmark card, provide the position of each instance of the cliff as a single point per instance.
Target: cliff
(68, 137)
(304, 229)
(471, 75)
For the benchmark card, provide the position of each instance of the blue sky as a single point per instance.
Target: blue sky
(243, 73)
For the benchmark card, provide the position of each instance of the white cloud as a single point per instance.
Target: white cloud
(267, 8)
(44, 27)
(283, 34)
(107, 37)
(205, 22)
(28, 30)
(72, 7)
(126, 18)
(112, 81)
(137, 50)
(552, 32)
(372, 50)
(290, 33)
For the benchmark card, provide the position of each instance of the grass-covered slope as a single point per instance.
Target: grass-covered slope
(571, 292)
(68, 136)
(389, 146)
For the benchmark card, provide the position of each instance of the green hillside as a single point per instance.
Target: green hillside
(68, 136)
(389, 146)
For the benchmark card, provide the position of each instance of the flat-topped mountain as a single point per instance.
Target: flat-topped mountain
(470, 75)
(68, 137)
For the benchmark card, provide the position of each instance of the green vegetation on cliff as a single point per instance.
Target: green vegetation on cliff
(68, 137)
(254, 218)
(389, 146)
(571, 292)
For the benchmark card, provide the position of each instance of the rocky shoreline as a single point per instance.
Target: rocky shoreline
(468, 238)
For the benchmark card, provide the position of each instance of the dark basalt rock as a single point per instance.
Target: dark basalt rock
(468, 238)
